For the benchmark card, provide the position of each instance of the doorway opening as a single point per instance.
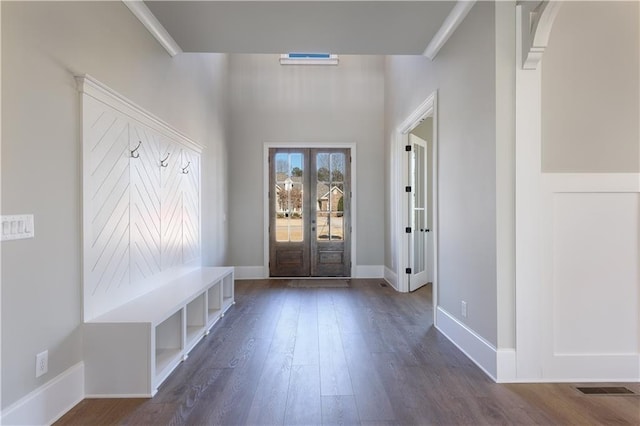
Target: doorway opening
(415, 196)
(309, 205)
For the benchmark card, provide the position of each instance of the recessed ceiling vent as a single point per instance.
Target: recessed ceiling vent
(308, 59)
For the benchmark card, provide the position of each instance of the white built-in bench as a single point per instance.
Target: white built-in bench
(130, 350)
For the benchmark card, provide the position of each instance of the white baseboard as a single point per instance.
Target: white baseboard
(369, 271)
(50, 401)
(250, 273)
(474, 346)
(258, 272)
(391, 277)
(506, 366)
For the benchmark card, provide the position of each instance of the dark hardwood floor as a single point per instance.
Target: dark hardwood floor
(360, 355)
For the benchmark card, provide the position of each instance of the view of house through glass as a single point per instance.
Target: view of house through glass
(330, 194)
(289, 189)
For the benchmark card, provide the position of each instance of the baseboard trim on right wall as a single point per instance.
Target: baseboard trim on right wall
(391, 278)
(474, 346)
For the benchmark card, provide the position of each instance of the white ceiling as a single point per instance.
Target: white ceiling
(342, 27)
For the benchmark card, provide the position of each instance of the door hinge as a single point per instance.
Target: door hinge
(408, 270)
(407, 189)
(407, 148)
(407, 229)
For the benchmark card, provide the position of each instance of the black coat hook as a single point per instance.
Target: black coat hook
(184, 169)
(163, 162)
(134, 152)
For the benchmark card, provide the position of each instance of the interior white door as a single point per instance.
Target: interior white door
(418, 211)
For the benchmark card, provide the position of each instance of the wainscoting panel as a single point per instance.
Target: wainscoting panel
(590, 277)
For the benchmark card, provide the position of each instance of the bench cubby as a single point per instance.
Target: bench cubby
(132, 349)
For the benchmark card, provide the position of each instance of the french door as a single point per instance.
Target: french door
(309, 212)
(418, 213)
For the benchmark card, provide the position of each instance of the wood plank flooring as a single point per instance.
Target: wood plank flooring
(364, 355)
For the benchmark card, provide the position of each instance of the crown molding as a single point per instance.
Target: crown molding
(148, 19)
(449, 26)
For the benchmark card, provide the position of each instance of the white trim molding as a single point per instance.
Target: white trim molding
(449, 26)
(369, 271)
(261, 272)
(474, 346)
(50, 401)
(391, 278)
(250, 272)
(506, 366)
(90, 86)
(536, 29)
(151, 23)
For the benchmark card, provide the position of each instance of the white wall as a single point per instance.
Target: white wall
(274, 103)
(590, 89)
(464, 73)
(43, 46)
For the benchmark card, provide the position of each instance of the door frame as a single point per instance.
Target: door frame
(266, 188)
(399, 208)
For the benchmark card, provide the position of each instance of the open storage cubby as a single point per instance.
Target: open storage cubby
(214, 303)
(168, 342)
(227, 292)
(131, 350)
(196, 321)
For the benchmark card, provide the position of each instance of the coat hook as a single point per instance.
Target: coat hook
(163, 163)
(134, 152)
(184, 169)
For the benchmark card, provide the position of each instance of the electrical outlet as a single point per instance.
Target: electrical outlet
(463, 309)
(42, 363)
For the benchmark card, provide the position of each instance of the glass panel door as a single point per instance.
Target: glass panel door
(310, 193)
(330, 252)
(418, 249)
(289, 246)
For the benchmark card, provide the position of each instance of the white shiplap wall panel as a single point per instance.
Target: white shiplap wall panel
(171, 181)
(141, 221)
(191, 207)
(107, 199)
(145, 204)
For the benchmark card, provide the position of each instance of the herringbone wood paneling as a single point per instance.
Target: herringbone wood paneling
(171, 206)
(191, 207)
(145, 204)
(108, 186)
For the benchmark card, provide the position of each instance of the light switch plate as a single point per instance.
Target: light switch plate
(17, 227)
